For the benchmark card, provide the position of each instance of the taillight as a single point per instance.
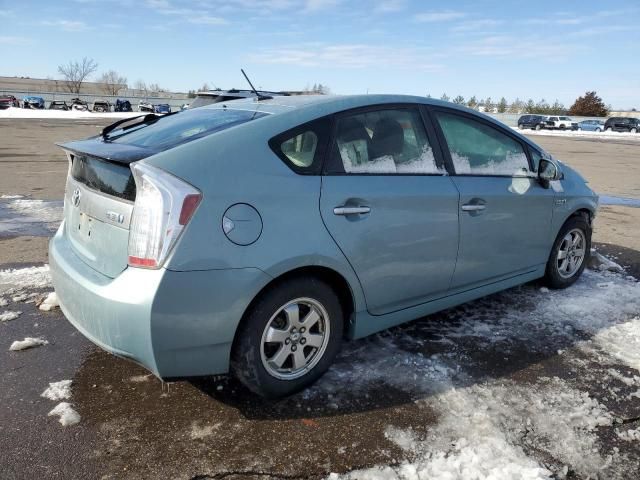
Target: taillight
(164, 205)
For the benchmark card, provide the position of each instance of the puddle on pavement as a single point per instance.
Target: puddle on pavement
(621, 201)
(29, 217)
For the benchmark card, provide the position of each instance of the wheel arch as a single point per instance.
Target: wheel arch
(332, 277)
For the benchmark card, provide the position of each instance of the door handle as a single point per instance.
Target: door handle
(471, 207)
(351, 210)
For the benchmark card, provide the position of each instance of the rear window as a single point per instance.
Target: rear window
(172, 130)
(106, 177)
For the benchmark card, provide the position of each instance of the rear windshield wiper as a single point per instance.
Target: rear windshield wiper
(144, 119)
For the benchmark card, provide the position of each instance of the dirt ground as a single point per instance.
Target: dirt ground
(133, 426)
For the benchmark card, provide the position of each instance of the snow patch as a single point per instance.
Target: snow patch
(50, 302)
(13, 112)
(11, 197)
(8, 315)
(630, 435)
(198, 431)
(58, 390)
(68, 416)
(21, 278)
(28, 342)
(3, 302)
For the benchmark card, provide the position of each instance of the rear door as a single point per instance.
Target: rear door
(390, 206)
(505, 214)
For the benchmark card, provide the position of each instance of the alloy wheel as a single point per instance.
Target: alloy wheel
(295, 338)
(571, 253)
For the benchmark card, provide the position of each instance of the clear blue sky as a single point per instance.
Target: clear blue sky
(540, 49)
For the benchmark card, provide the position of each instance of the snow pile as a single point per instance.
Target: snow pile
(13, 112)
(21, 278)
(8, 315)
(583, 134)
(28, 342)
(50, 302)
(68, 416)
(598, 261)
(11, 196)
(58, 390)
(3, 302)
(19, 298)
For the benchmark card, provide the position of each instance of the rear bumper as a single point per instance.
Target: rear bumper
(175, 324)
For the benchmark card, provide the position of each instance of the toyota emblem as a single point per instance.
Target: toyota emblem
(75, 198)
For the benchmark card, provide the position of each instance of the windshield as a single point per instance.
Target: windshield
(167, 132)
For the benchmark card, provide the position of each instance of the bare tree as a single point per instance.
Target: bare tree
(112, 82)
(76, 72)
(142, 87)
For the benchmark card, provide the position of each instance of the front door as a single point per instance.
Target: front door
(505, 214)
(390, 207)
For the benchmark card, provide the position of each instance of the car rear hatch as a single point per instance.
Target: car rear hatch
(99, 202)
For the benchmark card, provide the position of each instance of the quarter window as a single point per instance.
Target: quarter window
(301, 149)
(390, 141)
(479, 149)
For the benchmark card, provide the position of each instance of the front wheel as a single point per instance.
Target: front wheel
(569, 253)
(521, 126)
(288, 338)
(633, 130)
(538, 127)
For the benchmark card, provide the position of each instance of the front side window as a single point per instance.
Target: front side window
(479, 149)
(390, 141)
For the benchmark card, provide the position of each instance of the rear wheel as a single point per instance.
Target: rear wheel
(634, 130)
(598, 129)
(538, 127)
(288, 338)
(521, 126)
(569, 254)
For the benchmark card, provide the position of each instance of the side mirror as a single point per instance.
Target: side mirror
(547, 172)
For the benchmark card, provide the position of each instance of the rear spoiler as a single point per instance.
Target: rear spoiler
(111, 152)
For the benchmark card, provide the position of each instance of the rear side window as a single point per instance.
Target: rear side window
(479, 149)
(172, 130)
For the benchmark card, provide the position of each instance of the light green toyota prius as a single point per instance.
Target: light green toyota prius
(253, 236)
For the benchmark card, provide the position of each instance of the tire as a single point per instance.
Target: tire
(562, 127)
(598, 129)
(521, 126)
(254, 360)
(557, 275)
(538, 127)
(633, 130)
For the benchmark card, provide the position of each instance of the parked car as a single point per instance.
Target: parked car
(162, 108)
(591, 125)
(123, 106)
(561, 123)
(58, 105)
(33, 102)
(7, 101)
(209, 97)
(79, 104)
(253, 240)
(145, 107)
(622, 124)
(534, 122)
(101, 106)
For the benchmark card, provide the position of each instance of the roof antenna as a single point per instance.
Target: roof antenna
(260, 97)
